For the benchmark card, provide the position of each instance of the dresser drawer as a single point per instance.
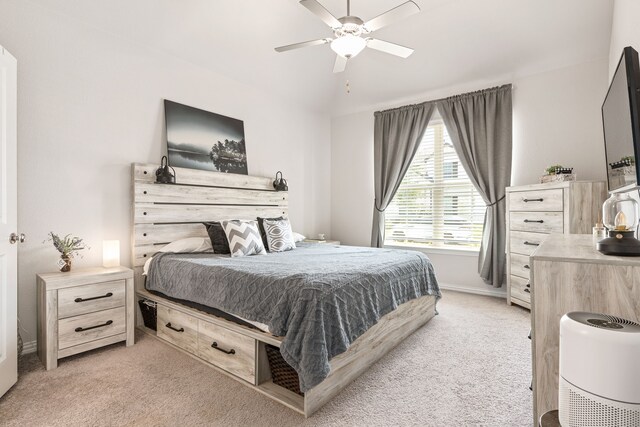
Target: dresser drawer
(89, 298)
(90, 327)
(524, 243)
(520, 289)
(228, 350)
(520, 265)
(537, 200)
(178, 328)
(538, 222)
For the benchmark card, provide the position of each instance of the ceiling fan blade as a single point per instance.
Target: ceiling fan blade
(340, 64)
(392, 48)
(303, 44)
(389, 17)
(322, 13)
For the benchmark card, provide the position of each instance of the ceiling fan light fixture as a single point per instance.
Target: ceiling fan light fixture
(348, 46)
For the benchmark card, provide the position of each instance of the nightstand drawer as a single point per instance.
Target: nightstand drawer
(89, 298)
(228, 350)
(90, 327)
(538, 222)
(537, 200)
(178, 328)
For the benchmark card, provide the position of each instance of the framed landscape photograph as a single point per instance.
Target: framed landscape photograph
(199, 139)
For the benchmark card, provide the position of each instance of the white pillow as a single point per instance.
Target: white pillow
(297, 237)
(190, 244)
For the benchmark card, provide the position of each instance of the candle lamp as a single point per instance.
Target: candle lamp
(620, 215)
(111, 253)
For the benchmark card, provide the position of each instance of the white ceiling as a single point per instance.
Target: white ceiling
(455, 42)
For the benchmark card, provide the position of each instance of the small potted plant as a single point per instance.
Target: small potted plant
(557, 173)
(551, 170)
(69, 247)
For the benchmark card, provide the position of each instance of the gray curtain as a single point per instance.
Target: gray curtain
(479, 125)
(397, 135)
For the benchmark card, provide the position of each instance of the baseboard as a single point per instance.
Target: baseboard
(29, 347)
(499, 293)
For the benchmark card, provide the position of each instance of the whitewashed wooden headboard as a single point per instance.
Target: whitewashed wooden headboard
(163, 213)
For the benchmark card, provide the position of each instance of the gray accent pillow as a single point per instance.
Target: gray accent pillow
(243, 237)
(279, 234)
(264, 233)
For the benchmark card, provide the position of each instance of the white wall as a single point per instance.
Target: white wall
(625, 30)
(556, 120)
(90, 104)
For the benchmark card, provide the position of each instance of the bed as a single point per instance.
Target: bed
(332, 311)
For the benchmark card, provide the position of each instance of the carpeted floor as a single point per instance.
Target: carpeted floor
(468, 366)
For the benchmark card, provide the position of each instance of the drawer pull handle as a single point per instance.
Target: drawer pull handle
(531, 243)
(107, 323)
(539, 221)
(533, 200)
(527, 266)
(107, 295)
(527, 290)
(529, 285)
(529, 334)
(215, 345)
(168, 325)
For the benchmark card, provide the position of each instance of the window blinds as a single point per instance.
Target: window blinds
(436, 204)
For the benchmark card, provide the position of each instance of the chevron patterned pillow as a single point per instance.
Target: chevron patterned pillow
(279, 234)
(244, 238)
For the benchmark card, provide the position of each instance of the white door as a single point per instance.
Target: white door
(8, 223)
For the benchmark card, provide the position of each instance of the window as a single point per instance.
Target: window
(436, 204)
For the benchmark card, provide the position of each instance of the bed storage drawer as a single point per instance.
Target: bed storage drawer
(228, 350)
(178, 328)
(537, 200)
(89, 298)
(90, 327)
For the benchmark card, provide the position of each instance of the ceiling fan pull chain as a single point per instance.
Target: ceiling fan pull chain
(348, 7)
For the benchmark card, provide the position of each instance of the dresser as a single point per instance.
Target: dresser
(82, 310)
(534, 212)
(571, 275)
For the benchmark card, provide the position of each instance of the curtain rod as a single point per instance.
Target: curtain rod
(496, 88)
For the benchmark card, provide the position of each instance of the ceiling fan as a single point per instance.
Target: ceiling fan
(351, 32)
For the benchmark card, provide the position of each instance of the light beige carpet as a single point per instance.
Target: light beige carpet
(468, 366)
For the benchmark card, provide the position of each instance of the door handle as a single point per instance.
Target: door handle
(15, 238)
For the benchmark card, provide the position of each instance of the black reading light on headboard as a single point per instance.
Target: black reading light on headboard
(280, 184)
(163, 173)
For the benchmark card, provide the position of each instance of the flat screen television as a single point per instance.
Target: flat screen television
(621, 122)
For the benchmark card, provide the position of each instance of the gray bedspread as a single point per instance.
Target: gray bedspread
(320, 298)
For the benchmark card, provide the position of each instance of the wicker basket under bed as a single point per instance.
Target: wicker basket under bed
(149, 312)
(282, 373)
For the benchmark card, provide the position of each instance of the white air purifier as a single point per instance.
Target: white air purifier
(599, 382)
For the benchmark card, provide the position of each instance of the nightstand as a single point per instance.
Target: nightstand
(82, 310)
(322, 242)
